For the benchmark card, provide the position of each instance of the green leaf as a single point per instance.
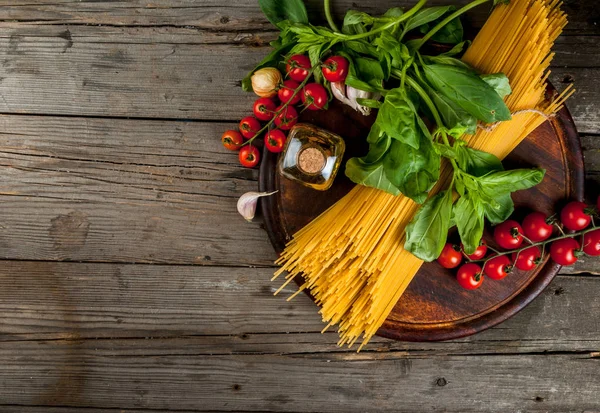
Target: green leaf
(427, 232)
(499, 82)
(357, 17)
(477, 163)
(371, 175)
(457, 121)
(425, 16)
(394, 12)
(450, 61)
(278, 10)
(452, 33)
(413, 171)
(468, 91)
(379, 144)
(457, 49)
(505, 182)
(362, 47)
(370, 103)
(500, 210)
(397, 118)
(469, 217)
(388, 45)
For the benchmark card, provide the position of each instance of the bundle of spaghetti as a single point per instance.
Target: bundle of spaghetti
(351, 257)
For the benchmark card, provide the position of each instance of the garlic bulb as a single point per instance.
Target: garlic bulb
(246, 205)
(265, 82)
(348, 95)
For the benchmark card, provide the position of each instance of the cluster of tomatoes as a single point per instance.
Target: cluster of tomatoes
(536, 231)
(280, 110)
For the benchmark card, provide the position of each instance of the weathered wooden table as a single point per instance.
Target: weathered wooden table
(130, 283)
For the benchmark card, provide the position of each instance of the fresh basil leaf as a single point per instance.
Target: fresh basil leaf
(362, 47)
(469, 217)
(427, 232)
(377, 148)
(445, 151)
(388, 45)
(457, 49)
(413, 171)
(468, 91)
(425, 16)
(357, 17)
(365, 74)
(451, 33)
(314, 54)
(499, 82)
(477, 163)
(500, 210)
(370, 103)
(457, 121)
(397, 118)
(277, 10)
(505, 182)
(394, 12)
(450, 61)
(371, 175)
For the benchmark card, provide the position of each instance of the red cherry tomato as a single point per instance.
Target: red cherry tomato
(528, 259)
(314, 96)
(479, 252)
(335, 69)
(232, 140)
(286, 91)
(536, 227)
(450, 256)
(591, 243)
(275, 140)
(499, 267)
(508, 235)
(574, 216)
(264, 109)
(249, 156)
(469, 276)
(298, 67)
(563, 250)
(287, 118)
(249, 126)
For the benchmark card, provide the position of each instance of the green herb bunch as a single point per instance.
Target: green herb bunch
(429, 102)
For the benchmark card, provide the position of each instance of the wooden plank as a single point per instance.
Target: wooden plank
(178, 72)
(48, 300)
(243, 15)
(136, 374)
(124, 190)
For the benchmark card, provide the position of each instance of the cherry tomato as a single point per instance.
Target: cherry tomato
(264, 109)
(591, 243)
(249, 156)
(508, 235)
(298, 67)
(450, 256)
(469, 276)
(287, 118)
(574, 216)
(286, 91)
(479, 252)
(314, 96)
(249, 126)
(335, 69)
(528, 259)
(275, 140)
(232, 140)
(563, 250)
(499, 267)
(536, 227)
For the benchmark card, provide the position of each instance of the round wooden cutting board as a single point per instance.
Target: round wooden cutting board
(435, 307)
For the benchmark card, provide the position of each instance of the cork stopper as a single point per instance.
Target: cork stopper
(311, 160)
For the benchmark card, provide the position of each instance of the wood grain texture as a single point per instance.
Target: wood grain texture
(50, 300)
(241, 15)
(123, 190)
(131, 374)
(180, 73)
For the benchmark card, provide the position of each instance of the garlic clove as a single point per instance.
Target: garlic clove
(265, 82)
(246, 205)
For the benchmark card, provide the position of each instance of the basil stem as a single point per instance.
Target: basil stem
(447, 20)
(327, 7)
(405, 16)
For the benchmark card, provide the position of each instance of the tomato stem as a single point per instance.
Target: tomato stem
(284, 106)
(536, 244)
